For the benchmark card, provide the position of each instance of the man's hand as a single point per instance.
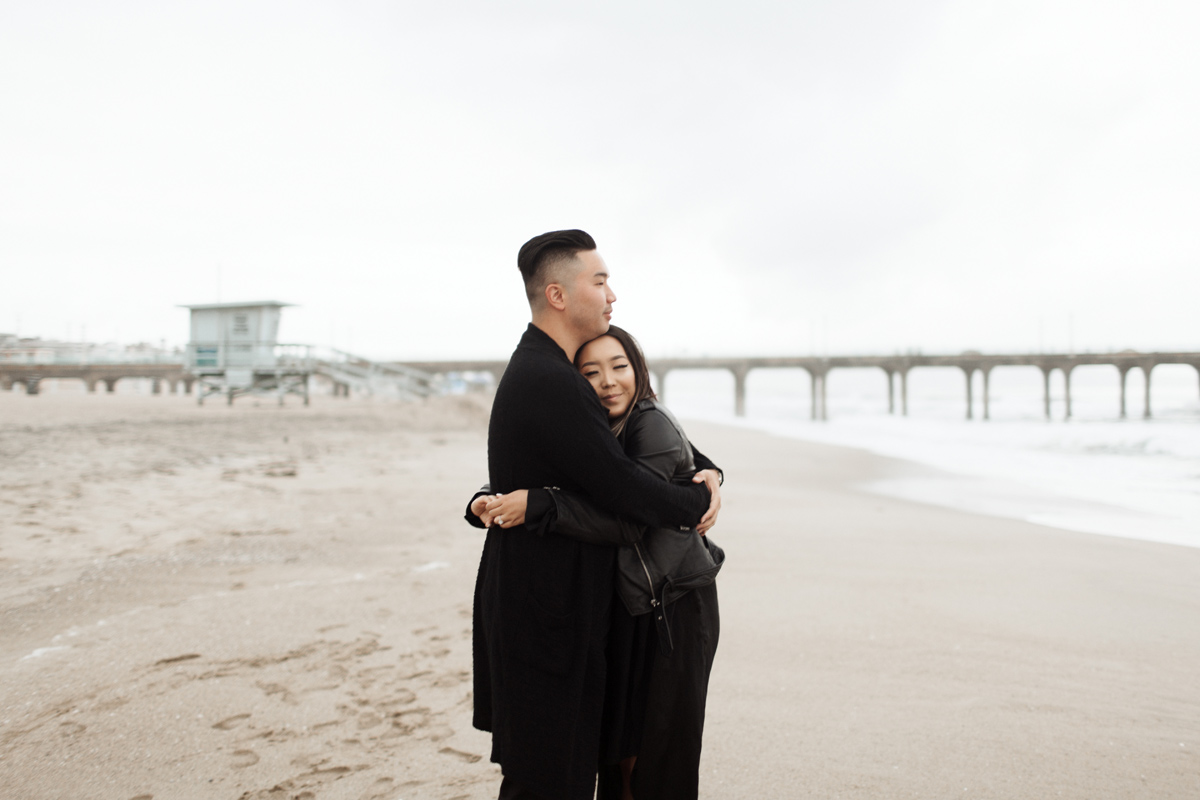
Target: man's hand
(505, 510)
(712, 479)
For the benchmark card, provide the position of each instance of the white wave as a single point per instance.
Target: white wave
(1096, 473)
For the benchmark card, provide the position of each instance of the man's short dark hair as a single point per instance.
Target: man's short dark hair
(540, 255)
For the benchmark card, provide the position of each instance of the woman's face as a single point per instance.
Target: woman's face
(604, 363)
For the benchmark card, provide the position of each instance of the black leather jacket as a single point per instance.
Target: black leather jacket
(655, 566)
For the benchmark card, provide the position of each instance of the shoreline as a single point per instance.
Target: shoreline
(1143, 502)
(896, 649)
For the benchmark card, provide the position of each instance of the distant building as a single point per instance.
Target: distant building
(17, 350)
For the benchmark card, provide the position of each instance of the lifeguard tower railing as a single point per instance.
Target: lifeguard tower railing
(268, 357)
(349, 371)
(241, 368)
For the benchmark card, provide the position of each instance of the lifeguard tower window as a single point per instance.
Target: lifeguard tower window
(241, 323)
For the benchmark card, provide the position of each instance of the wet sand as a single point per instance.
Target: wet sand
(264, 603)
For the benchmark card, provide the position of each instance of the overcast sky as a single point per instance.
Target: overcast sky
(835, 176)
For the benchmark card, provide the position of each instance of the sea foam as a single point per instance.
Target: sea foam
(1096, 473)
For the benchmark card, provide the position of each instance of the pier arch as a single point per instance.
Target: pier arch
(1173, 385)
(864, 388)
(688, 390)
(779, 391)
(933, 389)
(1012, 392)
(1095, 391)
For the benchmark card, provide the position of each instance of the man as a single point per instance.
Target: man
(542, 603)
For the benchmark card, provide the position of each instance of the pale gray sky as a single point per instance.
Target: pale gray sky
(831, 176)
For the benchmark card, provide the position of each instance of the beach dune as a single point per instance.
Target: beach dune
(254, 602)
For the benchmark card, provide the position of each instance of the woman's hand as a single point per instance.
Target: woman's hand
(712, 479)
(479, 504)
(505, 510)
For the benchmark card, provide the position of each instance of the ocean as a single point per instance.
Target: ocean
(1095, 473)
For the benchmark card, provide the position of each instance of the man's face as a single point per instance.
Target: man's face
(589, 298)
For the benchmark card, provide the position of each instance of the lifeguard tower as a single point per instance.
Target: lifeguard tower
(233, 351)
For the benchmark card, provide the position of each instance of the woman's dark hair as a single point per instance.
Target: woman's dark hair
(641, 373)
(541, 253)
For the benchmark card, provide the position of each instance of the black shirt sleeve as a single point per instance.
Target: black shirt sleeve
(704, 462)
(469, 516)
(572, 515)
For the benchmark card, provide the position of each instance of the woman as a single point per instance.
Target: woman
(664, 632)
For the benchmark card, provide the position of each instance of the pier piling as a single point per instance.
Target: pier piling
(970, 373)
(1066, 371)
(1124, 374)
(1147, 369)
(739, 390)
(1046, 387)
(986, 374)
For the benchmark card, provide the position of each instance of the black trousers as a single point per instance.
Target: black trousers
(668, 765)
(511, 790)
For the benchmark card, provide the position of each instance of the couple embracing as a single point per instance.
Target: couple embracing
(595, 612)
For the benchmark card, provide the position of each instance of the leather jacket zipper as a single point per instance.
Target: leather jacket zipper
(649, 580)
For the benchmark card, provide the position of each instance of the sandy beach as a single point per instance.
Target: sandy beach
(255, 602)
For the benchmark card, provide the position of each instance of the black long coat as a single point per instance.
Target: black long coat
(542, 603)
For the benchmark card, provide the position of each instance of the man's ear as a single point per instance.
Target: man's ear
(555, 296)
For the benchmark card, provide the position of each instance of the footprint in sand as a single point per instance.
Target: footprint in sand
(368, 721)
(229, 723)
(284, 693)
(71, 728)
(410, 719)
(470, 758)
(244, 758)
(400, 697)
(452, 678)
(382, 789)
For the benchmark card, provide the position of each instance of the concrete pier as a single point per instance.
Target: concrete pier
(818, 369)
(30, 375)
